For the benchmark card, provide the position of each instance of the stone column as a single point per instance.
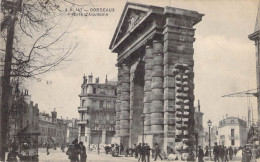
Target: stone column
(147, 86)
(157, 88)
(132, 75)
(118, 102)
(125, 101)
(104, 134)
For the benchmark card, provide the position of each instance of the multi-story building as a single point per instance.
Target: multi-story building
(53, 130)
(23, 116)
(97, 111)
(232, 131)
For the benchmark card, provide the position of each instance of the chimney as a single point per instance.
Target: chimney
(106, 79)
(90, 77)
(85, 80)
(54, 115)
(199, 105)
(97, 80)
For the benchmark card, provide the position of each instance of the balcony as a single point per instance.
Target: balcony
(83, 108)
(83, 122)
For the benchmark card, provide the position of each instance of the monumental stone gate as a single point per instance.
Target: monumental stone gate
(155, 76)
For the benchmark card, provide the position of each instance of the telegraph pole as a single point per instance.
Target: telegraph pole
(12, 7)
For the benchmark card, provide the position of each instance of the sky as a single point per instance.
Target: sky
(224, 57)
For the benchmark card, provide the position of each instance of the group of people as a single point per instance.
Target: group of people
(76, 149)
(142, 152)
(222, 153)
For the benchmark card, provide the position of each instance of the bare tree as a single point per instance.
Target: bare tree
(33, 33)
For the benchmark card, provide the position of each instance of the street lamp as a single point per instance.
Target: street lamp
(143, 118)
(209, 124)
(99, 134)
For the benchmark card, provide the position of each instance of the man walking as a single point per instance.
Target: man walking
(74, 151)
(47, 148)
(83, 153)
(147, 152)
(216, 152)
(200, 155)
(138, 150)
(230, 153)
(157, 152)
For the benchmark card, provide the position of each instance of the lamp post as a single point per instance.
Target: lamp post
(209, 124)
(143, 118)
(99, 134)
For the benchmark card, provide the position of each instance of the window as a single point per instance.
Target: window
(232, 133)
(101, 104)
(115, 91)
(94, 90)
(108, 104)
(83, 102)
(232, 142)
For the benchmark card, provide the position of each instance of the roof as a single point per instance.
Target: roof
(145, 11)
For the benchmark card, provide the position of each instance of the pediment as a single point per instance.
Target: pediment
(132, 14)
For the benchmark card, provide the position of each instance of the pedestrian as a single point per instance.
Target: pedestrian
(216, 152)
(136, 151)
(147, 152)
(157, 152)
(83, 153)
(62, 147)
(47, 148)
(200, 155)
(221, 153)
(142, 150)
(225, 154)
(73, 151)
(121, 148)
(230, 152)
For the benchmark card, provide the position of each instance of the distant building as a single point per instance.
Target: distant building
(23, 116)
(232, 131)
(97, 111)
(72, 130)
(53, 130)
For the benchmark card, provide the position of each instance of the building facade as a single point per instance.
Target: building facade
(155, 76)
(52, 130)
(97, 111)
(23, 117)
(232, 131)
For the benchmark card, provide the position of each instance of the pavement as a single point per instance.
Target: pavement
(93, 156)
(59, 156)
